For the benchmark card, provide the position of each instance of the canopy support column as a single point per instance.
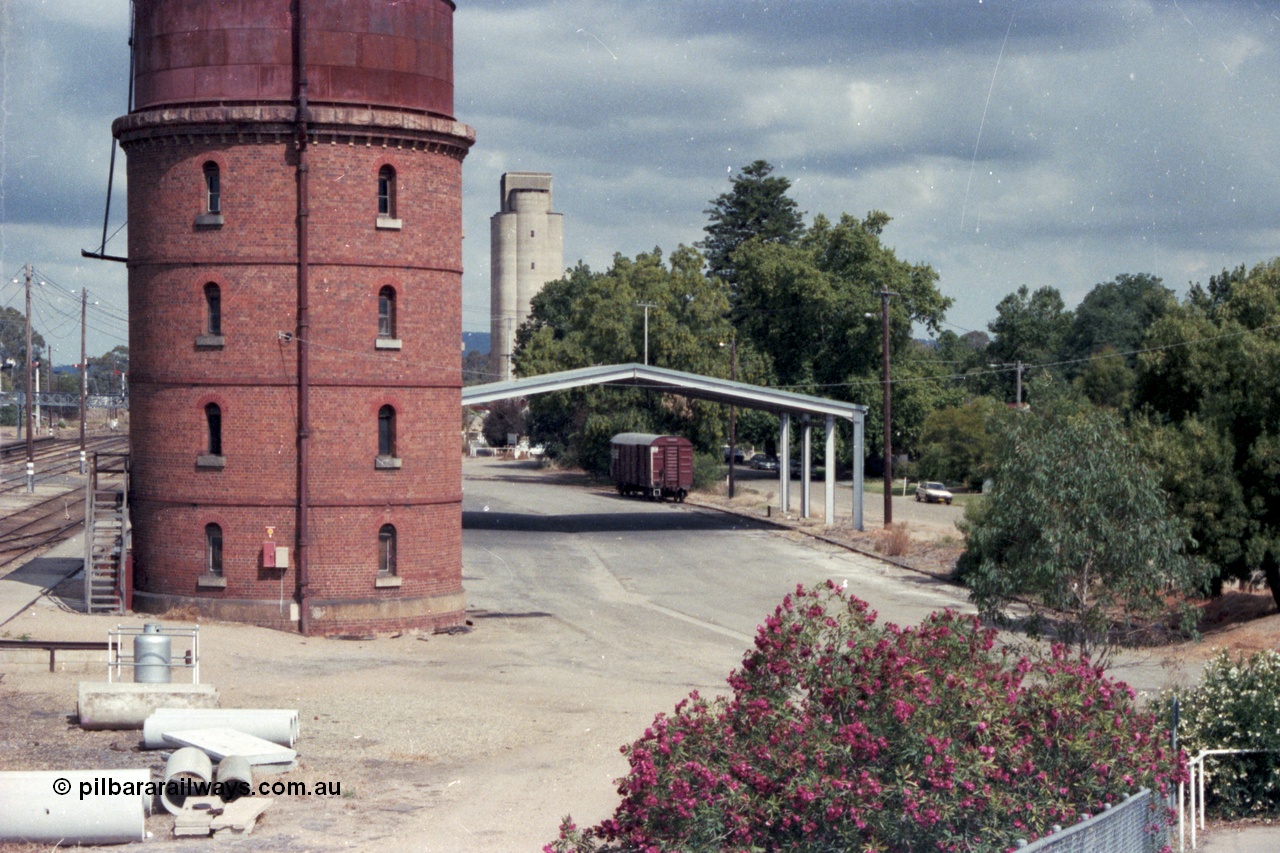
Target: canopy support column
(830, 479)
(806, 465)
(784, 463)
(858, 451)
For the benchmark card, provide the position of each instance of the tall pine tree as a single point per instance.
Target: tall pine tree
(757, 206)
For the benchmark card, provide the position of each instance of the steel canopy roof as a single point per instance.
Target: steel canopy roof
(670, 381)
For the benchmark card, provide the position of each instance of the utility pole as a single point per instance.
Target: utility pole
(646, 306)
(1018, 366)
(31, 445)
(50, 390)
(888, 409)
(84, 379)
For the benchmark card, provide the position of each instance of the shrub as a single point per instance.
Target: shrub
(707, 470)
(896, 541)
(1077, 529)
(844, 735)
(1236, 705)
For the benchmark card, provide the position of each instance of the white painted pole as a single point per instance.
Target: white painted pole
(784, 463)
(830, 479)
(806, 465)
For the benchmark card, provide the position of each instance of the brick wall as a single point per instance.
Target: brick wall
(251, 374)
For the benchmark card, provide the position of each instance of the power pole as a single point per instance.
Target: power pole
(50, 389)
(31, 444)
(84, 379)
(646, 306)
(888, 409)
(1018, 366)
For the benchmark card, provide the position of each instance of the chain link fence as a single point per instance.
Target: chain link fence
(1133, 826)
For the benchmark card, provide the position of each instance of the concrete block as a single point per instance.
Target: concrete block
(239, 817)
(218, 743)
(126, 705)
(44, 660)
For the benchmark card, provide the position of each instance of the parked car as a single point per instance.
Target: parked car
(933, 493)
(763, 462)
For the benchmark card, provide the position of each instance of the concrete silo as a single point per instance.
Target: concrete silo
(526, 245)
(295, 273)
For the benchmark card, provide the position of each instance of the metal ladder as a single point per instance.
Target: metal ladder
(106, 533)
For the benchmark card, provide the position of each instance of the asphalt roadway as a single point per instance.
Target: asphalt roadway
(604, 612)
(662, 599)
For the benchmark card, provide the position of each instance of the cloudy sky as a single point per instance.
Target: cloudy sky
(1037, 142)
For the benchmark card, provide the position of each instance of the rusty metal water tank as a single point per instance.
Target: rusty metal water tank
(396, 55)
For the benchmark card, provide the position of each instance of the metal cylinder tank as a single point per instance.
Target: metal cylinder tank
(152, 655)
(235, 273)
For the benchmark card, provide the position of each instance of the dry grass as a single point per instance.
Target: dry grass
(895, 541)
(186, 613)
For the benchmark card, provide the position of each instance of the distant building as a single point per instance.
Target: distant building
(526, 245)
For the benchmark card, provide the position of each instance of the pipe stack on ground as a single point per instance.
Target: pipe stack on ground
(188, 772)
(234, 777)
(75, 806)
(276, 725)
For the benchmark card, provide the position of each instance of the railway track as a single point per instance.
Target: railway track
(28, 527)
(33, 528)
(54, 457)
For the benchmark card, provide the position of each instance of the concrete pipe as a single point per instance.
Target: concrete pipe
(75, 806)
(275, 725)
(234, 778)
(187, 773)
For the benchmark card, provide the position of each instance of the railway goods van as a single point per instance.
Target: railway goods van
(657, 466)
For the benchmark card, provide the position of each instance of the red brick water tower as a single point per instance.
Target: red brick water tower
(295, 268)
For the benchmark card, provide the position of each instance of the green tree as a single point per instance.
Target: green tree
(1116, 315)
(105, 371)
(505, 419)
(757, 207)
(1107, 380)
(1076, 526)
(475, 368)
(812, 310)
(590, 318)
(956, 444)
(1029, 327)
(1211, 368)
(13, 345)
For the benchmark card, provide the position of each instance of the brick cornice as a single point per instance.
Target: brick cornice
(275, 124)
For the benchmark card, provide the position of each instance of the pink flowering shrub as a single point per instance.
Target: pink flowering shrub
(844, 735)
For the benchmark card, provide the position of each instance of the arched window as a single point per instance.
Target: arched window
(387, 551)
(387, 312)
(387, 192)
(213, 188)
(386, 431)
(213, 309)
(213, 550)
(213, 419)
